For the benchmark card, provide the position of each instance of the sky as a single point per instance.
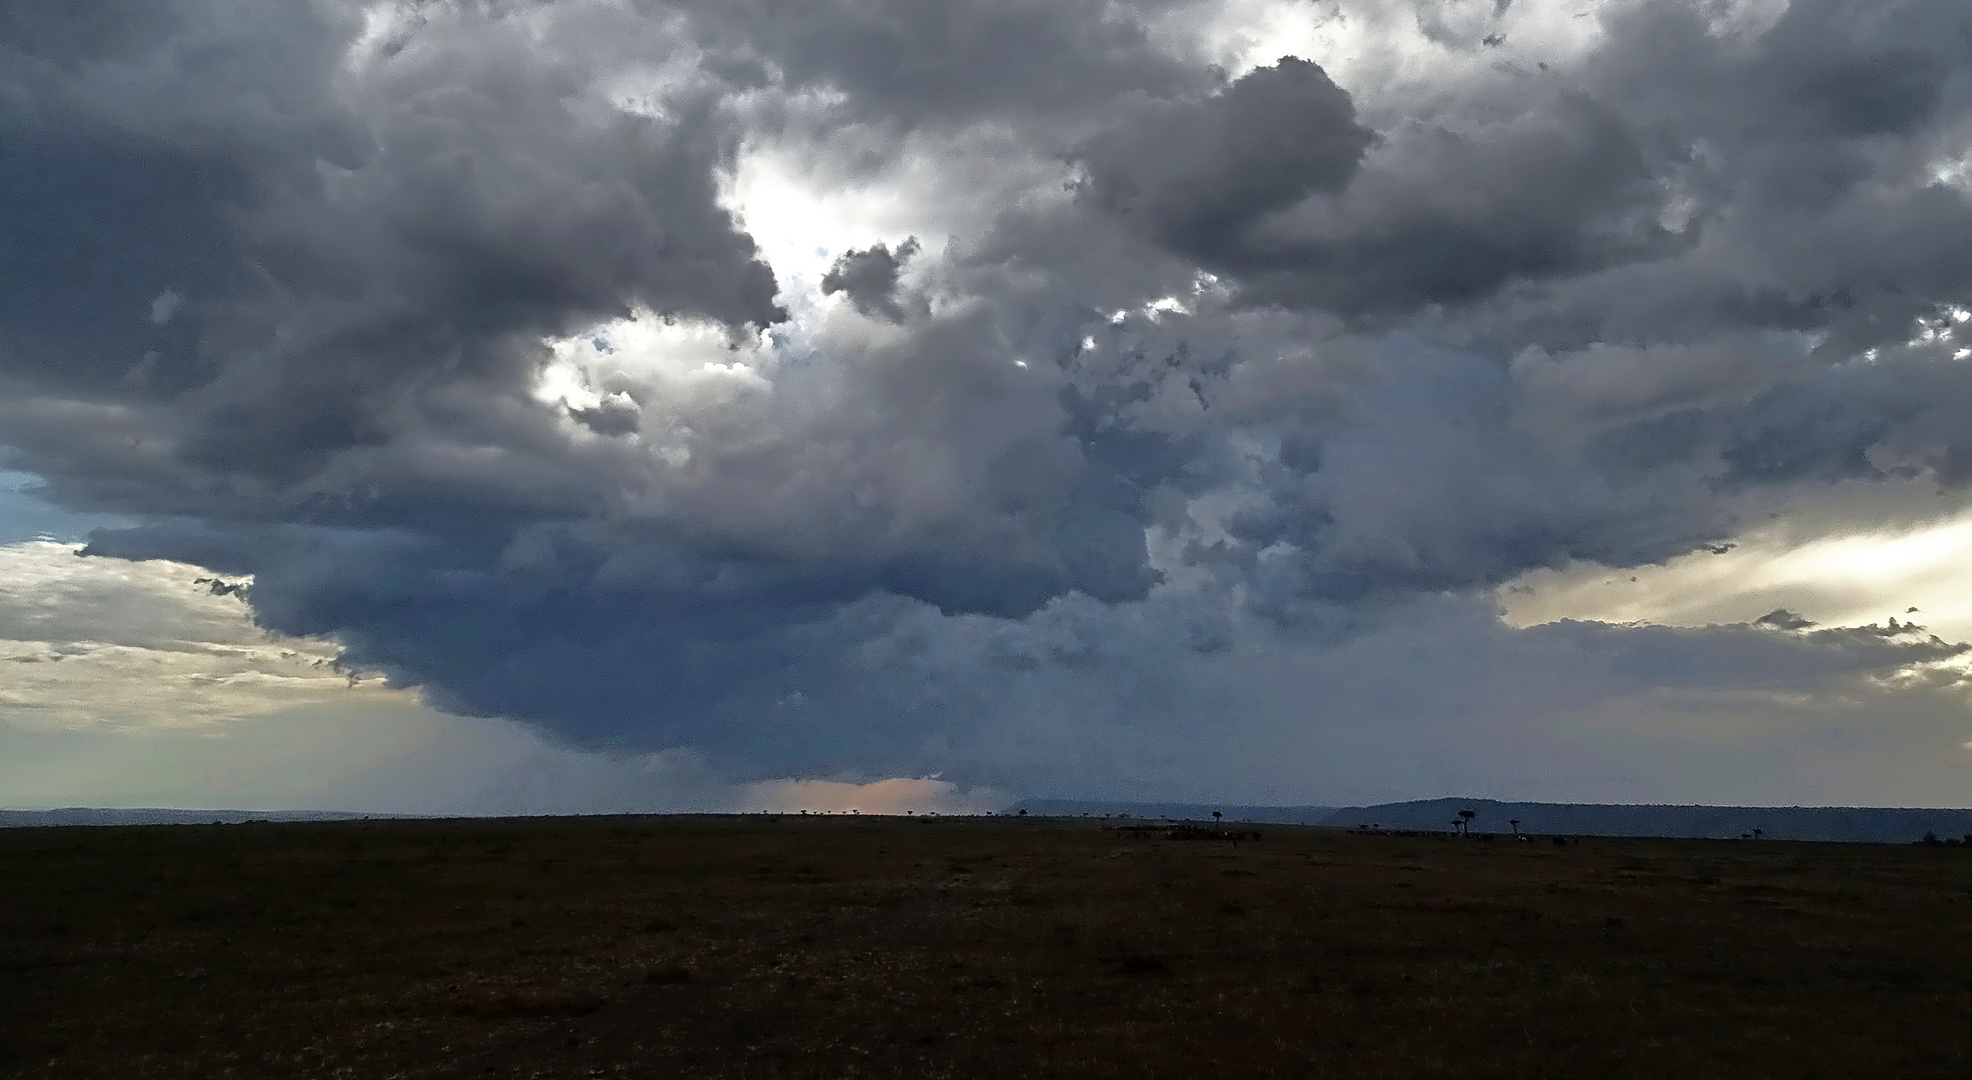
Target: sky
(601, 405)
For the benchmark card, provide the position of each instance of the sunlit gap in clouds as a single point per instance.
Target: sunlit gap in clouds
(1370, 51)
(814, 181)
(810, 196)
(1839, 577)
(653, 380)
(897, 795)
(803, 222)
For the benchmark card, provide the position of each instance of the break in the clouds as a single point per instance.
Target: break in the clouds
(1067, 396)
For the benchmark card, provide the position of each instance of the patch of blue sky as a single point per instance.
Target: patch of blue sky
(26, 515)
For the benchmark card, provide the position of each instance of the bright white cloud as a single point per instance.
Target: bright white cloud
(793, 193)
(144, 644)
(1396, 48)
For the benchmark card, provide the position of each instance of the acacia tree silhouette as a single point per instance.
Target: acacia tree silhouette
(1465, 820)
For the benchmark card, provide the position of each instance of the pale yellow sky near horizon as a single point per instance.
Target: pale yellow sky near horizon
(1830, 572)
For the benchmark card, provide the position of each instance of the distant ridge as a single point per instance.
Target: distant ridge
(1853, 824)
(1280, 815)
(90, 815)
(1856, 824)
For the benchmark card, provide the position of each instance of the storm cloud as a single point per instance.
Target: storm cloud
(869, 279)
(1189, 382)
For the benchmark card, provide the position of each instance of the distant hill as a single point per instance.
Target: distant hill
(1882, 825)
(89, 815)
(1842, 823)
(1282, 815)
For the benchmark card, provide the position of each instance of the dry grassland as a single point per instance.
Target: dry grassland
(835, 947)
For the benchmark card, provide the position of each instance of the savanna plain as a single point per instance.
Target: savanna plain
(841, 946)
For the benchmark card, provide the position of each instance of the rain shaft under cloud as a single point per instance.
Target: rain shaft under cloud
(1185, 397)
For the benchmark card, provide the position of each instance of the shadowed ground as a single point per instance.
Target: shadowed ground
(828, 947)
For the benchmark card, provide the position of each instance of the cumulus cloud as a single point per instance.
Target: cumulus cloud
(1244, 344)
(1200, 175)
(869, 279)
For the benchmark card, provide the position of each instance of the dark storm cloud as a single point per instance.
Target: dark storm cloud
(285, 287)
(1198, 176)
(1641, 189)
(906, 62)
(1448, 217)
(869, 279)
(1269, 182)
(1799, 168)
(1782, 619)
(1849, 69)
(333, 244)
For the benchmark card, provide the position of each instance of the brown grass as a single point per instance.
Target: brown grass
(868, 947)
